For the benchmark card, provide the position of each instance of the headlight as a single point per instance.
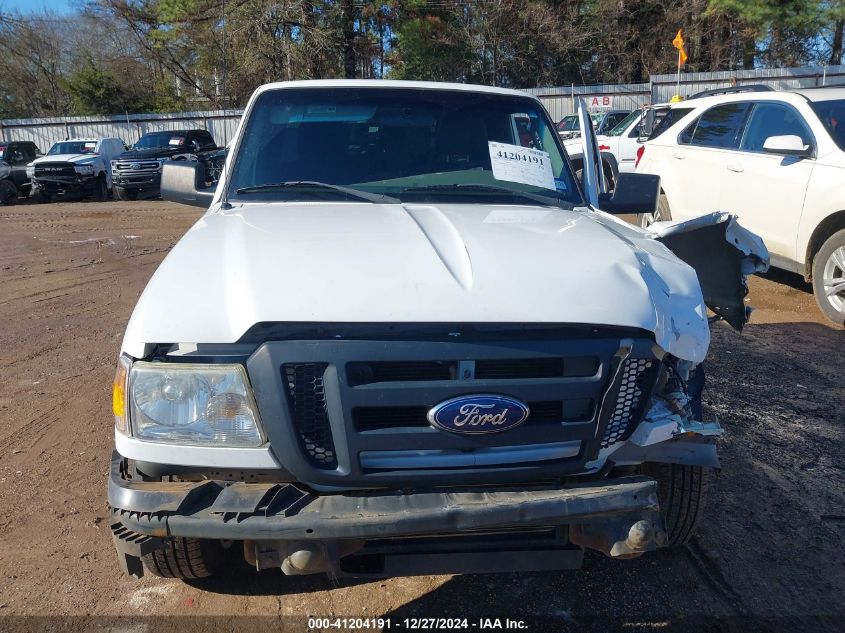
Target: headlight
(30, 171)
(209, 405)
(84, 170)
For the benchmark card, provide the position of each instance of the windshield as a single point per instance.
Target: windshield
(832, 115)
(73, 147)
(160, 139)
(409, 144)
(620, 127)
(568, 123)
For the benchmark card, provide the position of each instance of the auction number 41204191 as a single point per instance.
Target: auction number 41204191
(416, 624)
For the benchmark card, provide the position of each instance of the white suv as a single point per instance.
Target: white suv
(776, 159)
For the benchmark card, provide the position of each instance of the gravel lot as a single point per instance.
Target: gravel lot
(768, 556)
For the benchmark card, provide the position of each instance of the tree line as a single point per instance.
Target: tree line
(114, 56)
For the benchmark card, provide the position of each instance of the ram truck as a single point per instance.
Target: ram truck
(75, 168)
(403, 339)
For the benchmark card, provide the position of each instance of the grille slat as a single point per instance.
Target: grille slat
(307, 396)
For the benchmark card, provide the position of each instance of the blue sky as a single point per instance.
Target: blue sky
(30, 6)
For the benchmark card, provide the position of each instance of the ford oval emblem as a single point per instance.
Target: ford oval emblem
(478, 414)
(135, 166)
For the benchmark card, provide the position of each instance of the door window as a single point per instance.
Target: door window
(721, 126)
(773, 119)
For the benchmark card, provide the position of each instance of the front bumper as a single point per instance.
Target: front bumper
(619, 517)
(141, 182)
(59, 186)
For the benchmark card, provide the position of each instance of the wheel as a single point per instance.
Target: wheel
(681, 492)
(609, 178)
(101, 190)
(125, 194)
(8, 192)
(829, 277)
(185, 558)
(662, 214)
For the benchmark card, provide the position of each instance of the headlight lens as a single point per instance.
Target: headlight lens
(208, 405)
(30, 171)
(85, 170)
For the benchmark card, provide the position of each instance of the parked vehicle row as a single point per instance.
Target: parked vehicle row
(773, 158)
(94, 168)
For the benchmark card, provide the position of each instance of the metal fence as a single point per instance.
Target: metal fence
(129, 127)
(559, 101)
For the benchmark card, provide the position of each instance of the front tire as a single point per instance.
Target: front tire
(125, 194)
(8, 192)
(681, 492)
(101, 190)
(185, 558)
(663, 213)
(829, 277)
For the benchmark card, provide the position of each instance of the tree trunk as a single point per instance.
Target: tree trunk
(349, 39)
(836, 47)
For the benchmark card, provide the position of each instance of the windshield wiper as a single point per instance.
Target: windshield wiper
(552, 199)
(366, 196)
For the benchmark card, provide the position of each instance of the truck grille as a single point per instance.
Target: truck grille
(53, 170)
(630, 400)
(307, 395)
(137, 167)
(354, 412)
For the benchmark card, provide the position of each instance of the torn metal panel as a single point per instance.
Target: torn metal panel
(722, 253)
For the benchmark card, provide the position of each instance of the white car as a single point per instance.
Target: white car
(777, 161)
(75, 168)
(398, 314)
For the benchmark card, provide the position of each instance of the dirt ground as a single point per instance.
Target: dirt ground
(769, 555)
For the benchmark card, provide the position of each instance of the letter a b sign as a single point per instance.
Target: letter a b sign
(601, 102)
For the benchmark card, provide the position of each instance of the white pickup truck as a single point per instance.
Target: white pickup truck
(75, 168)
(403, 339)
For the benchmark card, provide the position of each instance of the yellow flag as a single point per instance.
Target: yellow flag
(678, 43)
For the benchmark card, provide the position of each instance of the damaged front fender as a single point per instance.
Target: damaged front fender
(722, 253)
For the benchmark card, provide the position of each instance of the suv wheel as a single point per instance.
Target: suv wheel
(185, 558)
(662, 214)
(681, 492)
(101, 190)
(8, 192)
(829, 277)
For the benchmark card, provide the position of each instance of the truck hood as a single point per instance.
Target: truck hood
(67, 158)
(403, 263)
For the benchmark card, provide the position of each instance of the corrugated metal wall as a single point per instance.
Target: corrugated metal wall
(44, 132)
(559, 102)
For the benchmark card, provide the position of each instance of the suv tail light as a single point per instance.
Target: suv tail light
(640, 153)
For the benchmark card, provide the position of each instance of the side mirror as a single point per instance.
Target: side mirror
(634, 193)
(787, 145)
(184, 182)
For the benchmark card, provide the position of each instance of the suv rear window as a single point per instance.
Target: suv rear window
(721, 126)
(832, 115)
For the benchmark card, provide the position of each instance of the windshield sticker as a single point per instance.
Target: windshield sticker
(513, 163)
(560, 185)
(176, 140)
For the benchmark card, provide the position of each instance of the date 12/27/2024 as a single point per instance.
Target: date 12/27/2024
(416, 624)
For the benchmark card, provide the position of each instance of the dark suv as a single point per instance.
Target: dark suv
(18, 154)
(137, 173)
